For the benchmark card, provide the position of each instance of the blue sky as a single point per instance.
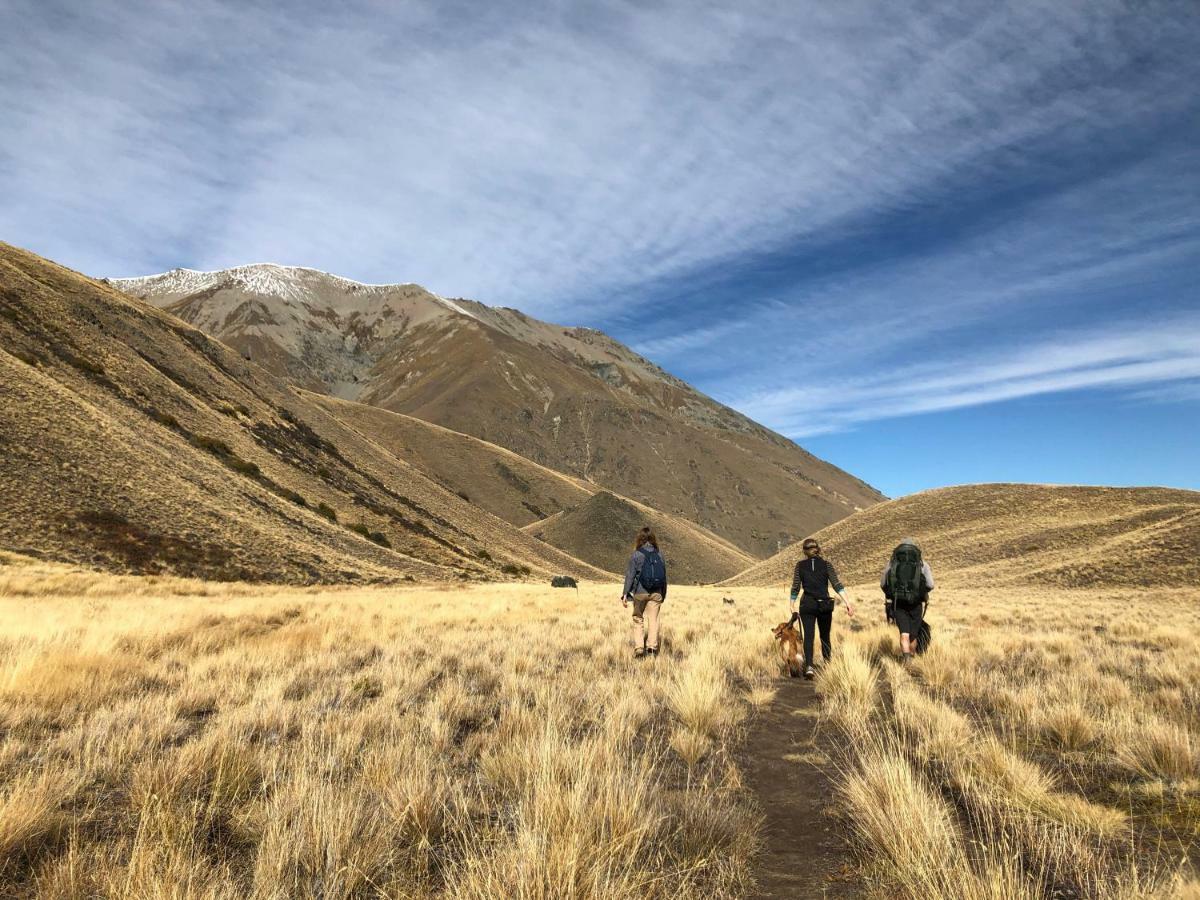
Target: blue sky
(935, 243)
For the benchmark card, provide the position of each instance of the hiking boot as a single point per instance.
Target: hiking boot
(639, 652)
(809, 672)
(652, 652)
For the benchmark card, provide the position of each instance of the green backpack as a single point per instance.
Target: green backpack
(905, 582)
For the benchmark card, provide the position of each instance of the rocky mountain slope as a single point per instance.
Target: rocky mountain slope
(601, 530)
(570, 399)
(133, 442)
(998, 534)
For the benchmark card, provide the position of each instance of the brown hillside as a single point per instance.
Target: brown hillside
(571, 399)
(1013, 533)
(496, 479)
(133, 442)
(601, 531)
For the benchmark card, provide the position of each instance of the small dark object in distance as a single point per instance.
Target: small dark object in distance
(728, 601)
(564, 581)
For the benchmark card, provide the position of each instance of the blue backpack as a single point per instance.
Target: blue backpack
(654, 571)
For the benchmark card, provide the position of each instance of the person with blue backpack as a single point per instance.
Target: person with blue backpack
(646, 586)
(906, 583)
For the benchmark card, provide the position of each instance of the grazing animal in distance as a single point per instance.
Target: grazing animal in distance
(564, 581)
(789, 647)
(728, 601)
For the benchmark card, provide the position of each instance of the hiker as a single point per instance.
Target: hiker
(813, 575)
(646, 586)
(906, 583)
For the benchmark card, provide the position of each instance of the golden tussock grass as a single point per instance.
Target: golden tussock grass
(1045, 745)
(170, 738)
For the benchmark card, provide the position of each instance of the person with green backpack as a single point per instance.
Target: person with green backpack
(906, 583)
(646, 586)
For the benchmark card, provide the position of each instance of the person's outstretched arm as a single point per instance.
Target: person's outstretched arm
(838, 587)
(797, 583)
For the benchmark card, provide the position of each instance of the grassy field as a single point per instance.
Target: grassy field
(166, 738)
(1047, 745)
(170, 738)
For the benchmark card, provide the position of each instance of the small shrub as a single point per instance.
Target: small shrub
(28, 358)
(515, 569)
(463, 495)
(483, 554)
(226, 409)
(244, 466)
(377, 537)
(289, 494)
(327, 511)
(163, 418)
(212, 445)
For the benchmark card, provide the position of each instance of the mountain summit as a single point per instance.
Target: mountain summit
(572, 399)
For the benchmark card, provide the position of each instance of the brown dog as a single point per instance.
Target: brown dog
(789, 647)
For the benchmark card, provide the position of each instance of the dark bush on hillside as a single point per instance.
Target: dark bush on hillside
(244, 466)
(289, 494)
(212, 445)
(564, 581)
(377, 536)
(28, 358)
(163, 418)
(483, 554)
(327, 511)
(515, 569)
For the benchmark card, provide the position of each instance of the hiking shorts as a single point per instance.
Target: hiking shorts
(908, 619)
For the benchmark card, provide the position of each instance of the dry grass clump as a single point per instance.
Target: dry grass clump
(1051, 756)
(163, 739)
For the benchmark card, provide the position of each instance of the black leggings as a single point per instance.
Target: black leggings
(811, 622)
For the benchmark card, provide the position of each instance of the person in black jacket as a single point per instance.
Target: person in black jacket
(810, 583)
(646, 586)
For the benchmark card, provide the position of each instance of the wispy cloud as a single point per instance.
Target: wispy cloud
(1125, 355)
(753, 194)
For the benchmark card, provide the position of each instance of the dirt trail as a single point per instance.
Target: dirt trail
(785, 762)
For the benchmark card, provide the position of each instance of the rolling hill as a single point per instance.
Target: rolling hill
(600, 531)
(1004, 534)
(134, 442)
(570, 399)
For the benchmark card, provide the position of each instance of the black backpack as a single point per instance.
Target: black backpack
(905, 581)
(654, 571)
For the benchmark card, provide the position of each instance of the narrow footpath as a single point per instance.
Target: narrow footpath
(785, 762)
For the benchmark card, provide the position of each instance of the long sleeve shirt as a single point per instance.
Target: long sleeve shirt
(813, 577)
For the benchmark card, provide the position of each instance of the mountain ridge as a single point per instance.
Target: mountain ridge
(572, 399)
(134, 442)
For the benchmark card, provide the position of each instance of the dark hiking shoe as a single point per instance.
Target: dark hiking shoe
(809, 673)
(652, 652)
(639, 652)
